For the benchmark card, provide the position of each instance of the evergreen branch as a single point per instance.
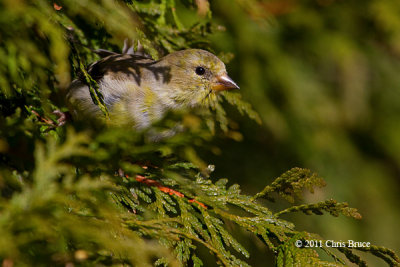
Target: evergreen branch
(386, 254)
(166, 232)
(332, 206)
(332, 255)
(166, 190)
(352, 257)
(175, 16)
(235, 100)
(291, 255)
(260, 226)
(290, 184)
(95, 94)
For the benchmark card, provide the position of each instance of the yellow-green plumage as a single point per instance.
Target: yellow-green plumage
(138, 90)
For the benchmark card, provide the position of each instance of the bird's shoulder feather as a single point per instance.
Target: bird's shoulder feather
(118, 65)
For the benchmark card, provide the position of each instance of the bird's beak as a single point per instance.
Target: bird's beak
(223, 83)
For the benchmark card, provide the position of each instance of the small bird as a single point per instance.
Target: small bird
(138, 90)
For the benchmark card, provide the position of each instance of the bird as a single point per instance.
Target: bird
(138, 90)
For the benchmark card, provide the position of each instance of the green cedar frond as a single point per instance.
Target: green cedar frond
(95, 94)
(332, 206)
(235, 100)
(291, 184)
(386, 254)
(290, 255)
(352, 257)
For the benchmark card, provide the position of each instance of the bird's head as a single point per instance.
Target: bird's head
(196, 77)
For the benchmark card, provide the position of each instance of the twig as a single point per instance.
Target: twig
(167, 190)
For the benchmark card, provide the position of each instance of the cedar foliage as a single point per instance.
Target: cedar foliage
(62, 199)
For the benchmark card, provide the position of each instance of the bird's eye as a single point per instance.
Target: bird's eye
(200, 70)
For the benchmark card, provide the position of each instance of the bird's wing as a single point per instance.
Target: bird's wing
(118, 65)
